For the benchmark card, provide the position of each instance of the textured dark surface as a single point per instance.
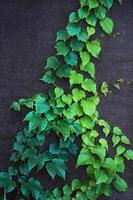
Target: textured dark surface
(27, 35)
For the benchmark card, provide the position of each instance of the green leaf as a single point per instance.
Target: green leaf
(76, 45)
(117, 131)
(94, 48)
(107, 3)
(43, 124)
(28, 153)
(52, 62)
(69, 114)
(87, 122)
(49, 77)
(78, 94)
(62, 48)
(120, 150)
(82, 35)
(57, 166)
(50, 115)
(109, 163)
(73, 29)
(15, 106)
(75, 78)
(129, 154)
(43, 158)
(89, 68)
(62, 35)
(35, 121)
(85, 158)
(24, 189)
(41, 105)
(107, 190)
(104, 88)
(63, 71)
(32, 162)
(56, 192)
(89, 106)
(107, 25)
(125, 140)
(60, 103)
(67, 190)
(54, 148)
(6, 181)
(85, 57)
(91, 19)
(35, 188)
(62, 127)
(100, 151)
(12, 171)
(101, 177)
(94, 134)
(115, 140)
(24, 169)
(100, 12)
(76, 109)
(73, 17)
(83, 3)
(105, 125)
(104, 143)
(89, 85)
(26, 102)
(93, 3)
(90, 31)
(71, 59)
(83, 12)
(86, 140)
(58, 92)
(120, 184)
(75, 184)
(67, 99)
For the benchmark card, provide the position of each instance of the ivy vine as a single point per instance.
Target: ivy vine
(70, 115)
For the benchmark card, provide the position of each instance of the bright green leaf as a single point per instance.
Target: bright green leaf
(87, 122)
(107, 25)
(85, 158)
(89, 85)
(93, 3)
(75, 78)
(90, 31)
(58, 92)
(104, 88)
(120, 150)
(129, 154)
(120, 184)
(78, 94)
(115, 140)
(94, 48)
(125, 140)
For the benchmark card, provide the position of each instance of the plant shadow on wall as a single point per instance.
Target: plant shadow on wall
(72, 116)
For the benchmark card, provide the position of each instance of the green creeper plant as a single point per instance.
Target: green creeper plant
(69, 115)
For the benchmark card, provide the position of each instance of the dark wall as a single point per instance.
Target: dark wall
(27, 35)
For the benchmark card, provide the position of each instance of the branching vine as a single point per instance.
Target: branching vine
(69, 115)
